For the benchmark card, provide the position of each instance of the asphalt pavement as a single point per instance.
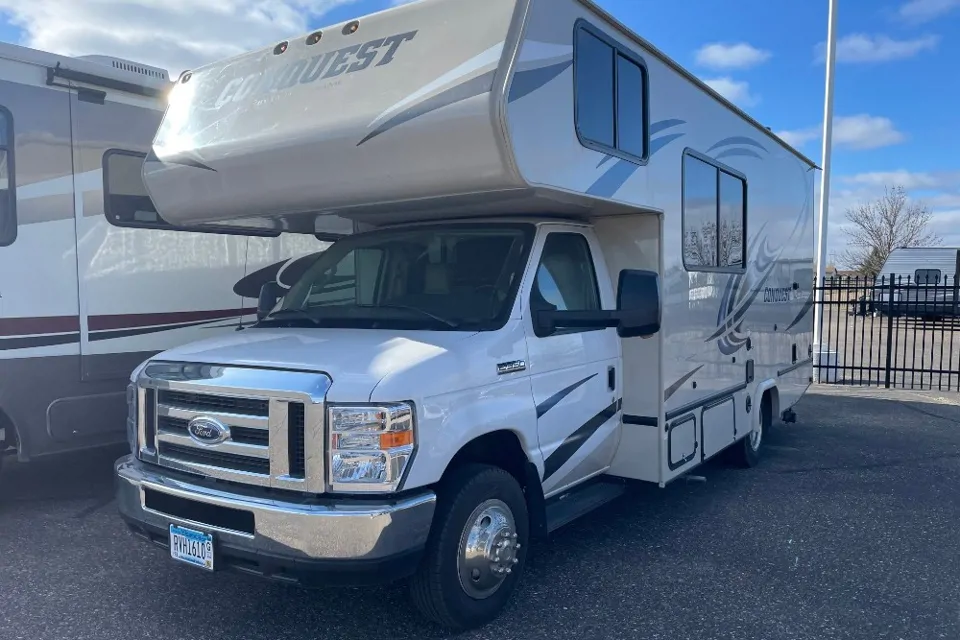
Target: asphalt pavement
(847, 529)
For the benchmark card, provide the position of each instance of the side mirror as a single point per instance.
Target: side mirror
(270, 293)
(637, 314)
(638, 303)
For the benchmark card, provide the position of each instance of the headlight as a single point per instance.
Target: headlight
(132, 419)
(370, 446)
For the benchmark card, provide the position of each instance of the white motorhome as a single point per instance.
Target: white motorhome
(922, 280)
(93, 281)
(513, 332)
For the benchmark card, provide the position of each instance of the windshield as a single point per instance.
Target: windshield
(454, 277)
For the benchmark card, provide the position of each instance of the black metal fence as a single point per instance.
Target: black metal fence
(892, 332)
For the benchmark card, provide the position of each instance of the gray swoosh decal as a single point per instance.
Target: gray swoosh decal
(182, 158)
(575, 440)
(463, 91)
(738, 152)
(614, 178)
(662, 141)
(672, 389)
(526, 82)
(804, 311)
(552, 401)
(737, 140)
(605, 160)
(657, 127)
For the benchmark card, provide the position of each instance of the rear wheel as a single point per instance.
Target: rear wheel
(747, 452)
(476, 550)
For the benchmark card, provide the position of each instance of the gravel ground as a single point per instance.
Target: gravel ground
(847, 529)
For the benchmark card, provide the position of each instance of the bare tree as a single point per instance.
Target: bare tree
(877, 228)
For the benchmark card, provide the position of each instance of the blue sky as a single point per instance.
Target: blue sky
(896, 120)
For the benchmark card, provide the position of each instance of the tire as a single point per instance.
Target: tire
(746, 453)
(459, 590)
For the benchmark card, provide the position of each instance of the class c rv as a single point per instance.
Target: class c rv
(551, 284)
(93, 281)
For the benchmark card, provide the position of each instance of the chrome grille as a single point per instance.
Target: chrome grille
(275, 421)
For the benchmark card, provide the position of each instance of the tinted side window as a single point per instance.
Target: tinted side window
(714, 217)
(610, 93)
(631, 132)
(8, 197)
(565, 279)
(732, 216)
(699, 213)
(595, 89)
(125, 199)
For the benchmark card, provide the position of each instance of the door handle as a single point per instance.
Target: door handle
(612, 378)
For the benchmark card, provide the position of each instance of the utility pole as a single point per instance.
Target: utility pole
(825, 176)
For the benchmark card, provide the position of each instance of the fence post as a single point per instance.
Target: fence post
(889, 334)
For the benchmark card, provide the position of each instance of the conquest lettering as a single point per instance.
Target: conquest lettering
(777, 294)
(330, 64)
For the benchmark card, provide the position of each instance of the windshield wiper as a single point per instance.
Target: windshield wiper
(449, 323)
(300, 313)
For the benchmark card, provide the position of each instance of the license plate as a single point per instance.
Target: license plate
(192, 547)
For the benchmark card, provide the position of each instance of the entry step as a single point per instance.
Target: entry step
(571, 505)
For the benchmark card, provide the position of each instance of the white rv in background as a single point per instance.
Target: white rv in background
(575, 266)
(91, 279)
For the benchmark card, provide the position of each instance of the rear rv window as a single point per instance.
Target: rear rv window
(610, 96)
(927, 276)
(8, 197)
(127, 204)
(714, 216)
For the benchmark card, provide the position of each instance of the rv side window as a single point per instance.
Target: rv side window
(565, 279)
(610, 95)
(126, 203)
(714, 217)
(927, 276)
(8, 197)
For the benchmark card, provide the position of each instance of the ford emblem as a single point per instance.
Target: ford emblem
(206, 430)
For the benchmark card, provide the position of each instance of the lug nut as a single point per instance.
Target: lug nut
(514, 536)
(516, 560)
(509, 570)
(517, 546)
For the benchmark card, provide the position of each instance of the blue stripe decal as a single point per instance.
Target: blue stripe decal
(662, 141)
(737, 140)
(526, 82)
(605, 160)
(464, 91)
(657, 127)
(611, 181)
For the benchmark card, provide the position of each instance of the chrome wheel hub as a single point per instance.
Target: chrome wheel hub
(488, 549)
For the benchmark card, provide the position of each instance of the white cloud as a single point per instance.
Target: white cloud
(909, 180)
(918, 11)
(736, 91)
(861, 47)
(173, 34)
(741, 55)
(860, 131)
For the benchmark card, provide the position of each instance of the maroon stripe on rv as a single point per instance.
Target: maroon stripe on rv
(129, 321)
(42, 325)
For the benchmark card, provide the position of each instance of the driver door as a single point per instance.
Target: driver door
(574, 372)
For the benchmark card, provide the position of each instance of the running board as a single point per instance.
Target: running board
(579, 501)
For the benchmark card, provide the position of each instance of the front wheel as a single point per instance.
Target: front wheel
(476, 550)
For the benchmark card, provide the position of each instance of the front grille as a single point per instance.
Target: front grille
(215, 458)
(207, 402)
(266, 434)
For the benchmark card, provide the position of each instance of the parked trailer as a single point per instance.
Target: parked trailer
(922, 280)
(83, 300)
(574, 266)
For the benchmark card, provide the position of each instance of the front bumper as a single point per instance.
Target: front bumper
(289, 538)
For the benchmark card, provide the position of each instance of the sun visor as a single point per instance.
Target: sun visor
(392, 107)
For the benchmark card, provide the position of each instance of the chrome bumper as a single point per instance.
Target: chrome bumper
(338, 529)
